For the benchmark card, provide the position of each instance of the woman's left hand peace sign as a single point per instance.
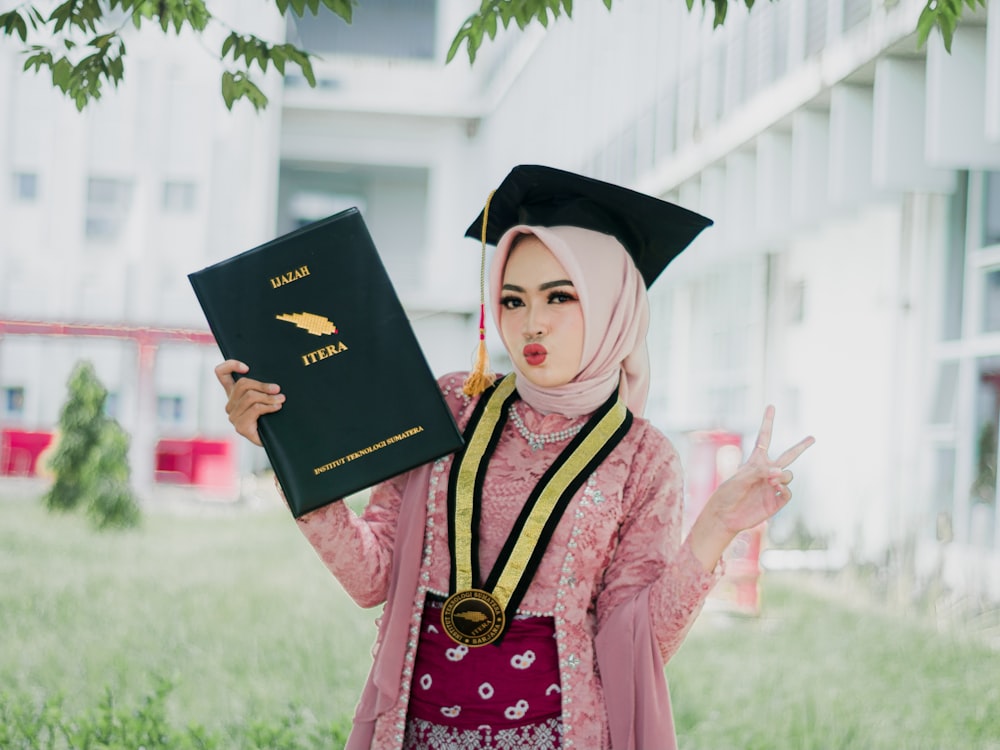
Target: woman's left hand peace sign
(759, 488)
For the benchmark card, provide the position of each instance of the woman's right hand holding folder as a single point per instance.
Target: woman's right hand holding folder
(248, 398)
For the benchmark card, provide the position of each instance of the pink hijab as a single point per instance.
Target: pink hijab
(615, 314)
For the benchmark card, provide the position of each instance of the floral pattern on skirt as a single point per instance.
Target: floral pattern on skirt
(425, 735)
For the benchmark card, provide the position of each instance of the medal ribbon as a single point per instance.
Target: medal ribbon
(525, 546)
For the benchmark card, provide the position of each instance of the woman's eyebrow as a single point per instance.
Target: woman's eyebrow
(541, 287)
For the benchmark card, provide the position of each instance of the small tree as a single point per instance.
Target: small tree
(111, 503)
(80, 426)
(90, 462)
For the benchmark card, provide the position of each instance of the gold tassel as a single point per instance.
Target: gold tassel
(481, 377)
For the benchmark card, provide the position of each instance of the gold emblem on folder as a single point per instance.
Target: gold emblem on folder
(317, 325)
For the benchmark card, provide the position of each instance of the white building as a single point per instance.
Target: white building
(852, 277)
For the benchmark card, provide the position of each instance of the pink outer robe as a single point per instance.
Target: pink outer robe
(622, 587)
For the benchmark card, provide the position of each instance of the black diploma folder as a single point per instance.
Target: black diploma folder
(315, 312)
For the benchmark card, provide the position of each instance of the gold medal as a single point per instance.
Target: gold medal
(472, 617)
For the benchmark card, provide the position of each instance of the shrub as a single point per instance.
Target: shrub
(80, 424)
(90, 461)
(111, 502)
(113, 726)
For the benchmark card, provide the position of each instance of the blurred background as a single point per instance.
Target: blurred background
(852, 277)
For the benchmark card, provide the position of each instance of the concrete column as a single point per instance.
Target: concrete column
(810, 165)
(956, 103)
(774, 183)
(143, 445)
(993, 89)
(851, 145)
(899, 132)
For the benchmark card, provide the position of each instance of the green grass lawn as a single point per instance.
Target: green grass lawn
(234, 609)
(816, 674)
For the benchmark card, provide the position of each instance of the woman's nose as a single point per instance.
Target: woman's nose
(535, 323)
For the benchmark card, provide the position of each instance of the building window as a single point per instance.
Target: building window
(779, 48)
(855, 12)
(666, 123)
(12, 401)
(107, 207)
(991, 301)
(796, 306)
(25, 187)
(170, 409)
(816, 14)
(945, 394)
(179, 197)
(987, 422)
(111, 406)
(307, 206)
(380, 28)
(991, 209)
(943, 490)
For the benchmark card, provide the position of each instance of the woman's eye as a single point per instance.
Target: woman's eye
(561, 297)
(511, 302)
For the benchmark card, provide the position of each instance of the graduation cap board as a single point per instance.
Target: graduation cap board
(653, 231)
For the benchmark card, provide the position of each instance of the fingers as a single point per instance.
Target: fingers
(794, 452)
(764, 434)
(780, 477)
(764, 441)
(248, 406)
(224, 373)
(248, 399)
(242, 390)
(248, 391)
(782, 496)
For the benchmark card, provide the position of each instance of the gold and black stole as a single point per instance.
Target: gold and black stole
(477, 612)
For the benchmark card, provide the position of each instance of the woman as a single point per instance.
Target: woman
(536, 583)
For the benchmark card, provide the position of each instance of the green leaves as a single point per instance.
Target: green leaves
(82, 81)
(239, 86)
(251, 50)
(80, 68)
(82, 14)
(943, 15)
(342, 8)
(13, 23)
(495, 13)
(721, 7)
(485, 22)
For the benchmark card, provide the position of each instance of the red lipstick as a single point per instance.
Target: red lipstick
(534, 354)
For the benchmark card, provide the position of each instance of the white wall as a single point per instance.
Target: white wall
(838, 366)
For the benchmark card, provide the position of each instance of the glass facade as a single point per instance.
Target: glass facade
(379, 28)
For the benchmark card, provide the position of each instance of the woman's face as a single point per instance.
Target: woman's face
(541, 319)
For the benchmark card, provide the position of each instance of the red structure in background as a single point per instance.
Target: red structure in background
(208, 464)
(714, 456)
(19, 452)
(203, 463)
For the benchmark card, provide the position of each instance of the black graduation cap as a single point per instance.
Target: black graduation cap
(653, 231)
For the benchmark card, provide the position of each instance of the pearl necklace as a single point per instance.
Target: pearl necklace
(536, 440)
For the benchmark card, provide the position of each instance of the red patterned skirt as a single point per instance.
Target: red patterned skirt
(504, 695)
